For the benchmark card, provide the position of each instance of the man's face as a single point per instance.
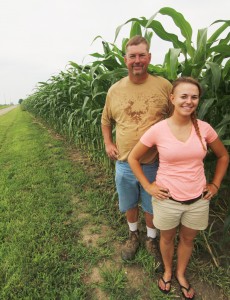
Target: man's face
(137, 59)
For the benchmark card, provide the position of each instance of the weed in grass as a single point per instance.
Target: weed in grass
(115, 284)
(147, 262)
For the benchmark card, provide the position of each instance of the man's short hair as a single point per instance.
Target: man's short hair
(137, 40)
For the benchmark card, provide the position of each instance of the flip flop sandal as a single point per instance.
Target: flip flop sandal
(187, 290)
(165, 282)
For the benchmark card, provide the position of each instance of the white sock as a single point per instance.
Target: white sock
(132, 226)
(151, 232)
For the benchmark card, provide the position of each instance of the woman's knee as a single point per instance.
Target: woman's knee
(187, 235)
(167, 236)
(186, 239)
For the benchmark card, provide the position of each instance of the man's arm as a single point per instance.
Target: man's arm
(110, 147)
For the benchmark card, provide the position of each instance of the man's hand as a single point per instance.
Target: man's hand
(112, 151)
(110, 147)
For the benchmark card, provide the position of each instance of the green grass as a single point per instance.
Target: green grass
(40, 255)
(3, 106)
(60, 224)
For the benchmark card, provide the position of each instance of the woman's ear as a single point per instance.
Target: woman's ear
(171, 98)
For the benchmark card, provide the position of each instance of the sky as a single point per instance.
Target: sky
(38, 38)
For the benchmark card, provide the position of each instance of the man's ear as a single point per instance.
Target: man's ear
(150, 56)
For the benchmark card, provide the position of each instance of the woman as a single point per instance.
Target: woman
(180, 194)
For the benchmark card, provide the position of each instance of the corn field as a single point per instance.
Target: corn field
(72, 101)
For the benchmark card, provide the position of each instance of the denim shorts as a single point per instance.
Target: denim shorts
(130, 191)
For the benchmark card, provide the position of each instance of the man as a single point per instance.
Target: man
(133, 104)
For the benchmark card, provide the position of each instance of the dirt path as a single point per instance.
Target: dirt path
(7, 109)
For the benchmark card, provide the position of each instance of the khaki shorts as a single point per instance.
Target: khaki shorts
(168, 214)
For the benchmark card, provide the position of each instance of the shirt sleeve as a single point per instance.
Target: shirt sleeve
(147, 138)
(210, 133)
(106, 118)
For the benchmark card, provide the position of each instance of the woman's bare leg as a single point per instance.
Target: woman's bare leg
(167, 250)
(184, 252)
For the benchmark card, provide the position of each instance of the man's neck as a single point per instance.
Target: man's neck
(138, 79)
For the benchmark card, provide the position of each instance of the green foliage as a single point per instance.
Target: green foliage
(72, 101)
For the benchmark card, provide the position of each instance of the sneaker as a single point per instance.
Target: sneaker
(152, 247)
(130, 248)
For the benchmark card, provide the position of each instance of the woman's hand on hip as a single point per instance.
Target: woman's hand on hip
(158, 192)
(209, 191)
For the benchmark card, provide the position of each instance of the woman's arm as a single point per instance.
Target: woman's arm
(221, 166)
(134, 161)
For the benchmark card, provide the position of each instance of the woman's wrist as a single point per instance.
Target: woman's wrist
(215, 185)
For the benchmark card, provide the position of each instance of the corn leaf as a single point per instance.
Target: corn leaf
(221, 130)
(164, 35)
(226, 70)
(135, 29)
(200, 53)
(216, 74)
(141, 21)
(204, 108)
(118, 73)
(225, 121)
(226, 142)
(218, 32)
(222, 49)
(97, 55)
(182, 24)
(171, 63)
(179, 20)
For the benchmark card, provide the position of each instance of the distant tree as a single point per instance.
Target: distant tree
(20, 101)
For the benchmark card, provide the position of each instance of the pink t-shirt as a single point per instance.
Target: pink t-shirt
(181, 168)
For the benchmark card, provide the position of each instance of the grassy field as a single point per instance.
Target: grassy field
(61, 230)
(3, 106)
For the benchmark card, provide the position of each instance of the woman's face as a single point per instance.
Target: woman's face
(185, 98)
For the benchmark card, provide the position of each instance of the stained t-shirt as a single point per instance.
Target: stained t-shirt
(181, 168)
(133, 108)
